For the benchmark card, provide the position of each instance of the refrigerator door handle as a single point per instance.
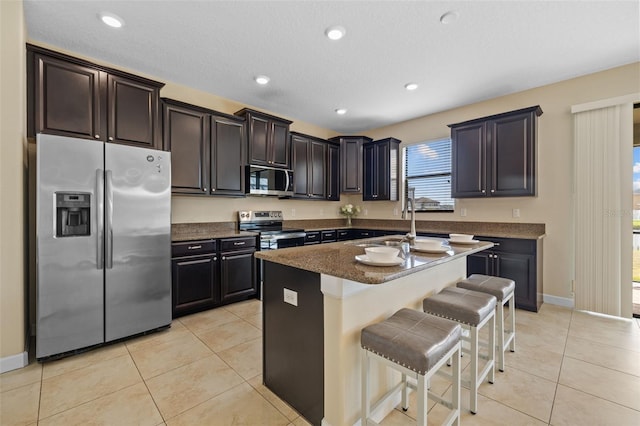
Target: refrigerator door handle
(108, 225)
(100, 217)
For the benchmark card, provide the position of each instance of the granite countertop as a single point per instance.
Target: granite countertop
(206, 231)
(529, 231)
(338, 259)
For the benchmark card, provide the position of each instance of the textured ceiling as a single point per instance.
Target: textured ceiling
(494, 48)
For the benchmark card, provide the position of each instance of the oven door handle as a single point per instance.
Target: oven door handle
(284, 236)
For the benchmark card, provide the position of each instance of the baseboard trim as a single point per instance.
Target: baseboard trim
(13, 362)
(560, 301)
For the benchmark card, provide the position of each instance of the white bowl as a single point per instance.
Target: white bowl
(427, 244)
(382, 254)
(461, 237)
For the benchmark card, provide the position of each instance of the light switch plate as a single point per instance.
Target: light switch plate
(463, 212)
(291, 297)
(516, 212)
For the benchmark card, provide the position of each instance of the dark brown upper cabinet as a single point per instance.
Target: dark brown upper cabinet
(495, 156)
(268, 139)
(351, 162)
(71, 97)
(309, 156)
(207, 149)
(228, 157)
(333, 172)
(381, 170)
(186, 133)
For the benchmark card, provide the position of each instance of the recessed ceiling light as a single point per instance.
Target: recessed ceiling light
(449, 17)
(341, 111)
(411, 86)
(262, 79)
(111, 20)
(335, 33)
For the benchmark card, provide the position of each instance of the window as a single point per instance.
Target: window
(428, 170)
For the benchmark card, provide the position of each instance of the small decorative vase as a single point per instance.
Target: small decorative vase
(348, 220)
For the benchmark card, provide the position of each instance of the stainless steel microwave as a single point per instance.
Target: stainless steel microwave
(269, 181)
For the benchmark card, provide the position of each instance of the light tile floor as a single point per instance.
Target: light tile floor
(569, 368)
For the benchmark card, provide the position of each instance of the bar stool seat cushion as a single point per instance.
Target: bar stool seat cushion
(465, 306)
(412, 339)
(501, 288)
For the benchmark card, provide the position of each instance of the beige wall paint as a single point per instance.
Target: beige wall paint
(12, 182)
(553, 205)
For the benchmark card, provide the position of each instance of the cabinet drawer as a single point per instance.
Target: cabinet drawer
(312, 237)
(344, 234)
(511, 245)
(193, 248)
(329, 236)
(230, 244)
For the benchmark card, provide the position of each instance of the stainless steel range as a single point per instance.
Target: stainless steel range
(269, 223)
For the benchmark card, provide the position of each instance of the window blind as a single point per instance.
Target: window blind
(428, 170)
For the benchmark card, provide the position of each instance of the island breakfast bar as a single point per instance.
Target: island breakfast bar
(317, 299)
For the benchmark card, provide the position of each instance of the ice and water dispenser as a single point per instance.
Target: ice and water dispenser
(73, 212)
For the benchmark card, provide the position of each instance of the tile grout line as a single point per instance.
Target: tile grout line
(564, 354)
(145, 385)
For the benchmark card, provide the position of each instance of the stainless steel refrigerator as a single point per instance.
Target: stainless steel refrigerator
(103, 242)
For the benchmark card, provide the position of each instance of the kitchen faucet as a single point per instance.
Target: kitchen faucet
(411, 198)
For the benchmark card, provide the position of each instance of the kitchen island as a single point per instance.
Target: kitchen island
(317, 298)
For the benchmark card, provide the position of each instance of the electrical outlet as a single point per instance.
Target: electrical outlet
(395, 211)
(293, 212)
(516, 212)
(366, 212)
(291, 297)
(463, 212)
(321, 212)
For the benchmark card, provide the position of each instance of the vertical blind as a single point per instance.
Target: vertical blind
(428, 170)
(598, 201)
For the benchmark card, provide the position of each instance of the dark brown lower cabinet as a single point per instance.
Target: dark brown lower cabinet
(194, 266)
(515, 259)
(210, 273)
(238, 275)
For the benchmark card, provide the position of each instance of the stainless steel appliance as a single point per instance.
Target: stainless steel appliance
(269, 181)
(103, 242)
(269, 223)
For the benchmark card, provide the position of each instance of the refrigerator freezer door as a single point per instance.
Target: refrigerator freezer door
(138, 240)
(69, 289)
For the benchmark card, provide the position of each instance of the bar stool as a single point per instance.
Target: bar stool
(417, 345)
(503, 289)
(473, 310)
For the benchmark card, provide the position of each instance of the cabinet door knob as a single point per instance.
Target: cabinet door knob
(224, 258)
(239, 243)
(96, 136)
(110, 138)
(493, 190)
(484, 191)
